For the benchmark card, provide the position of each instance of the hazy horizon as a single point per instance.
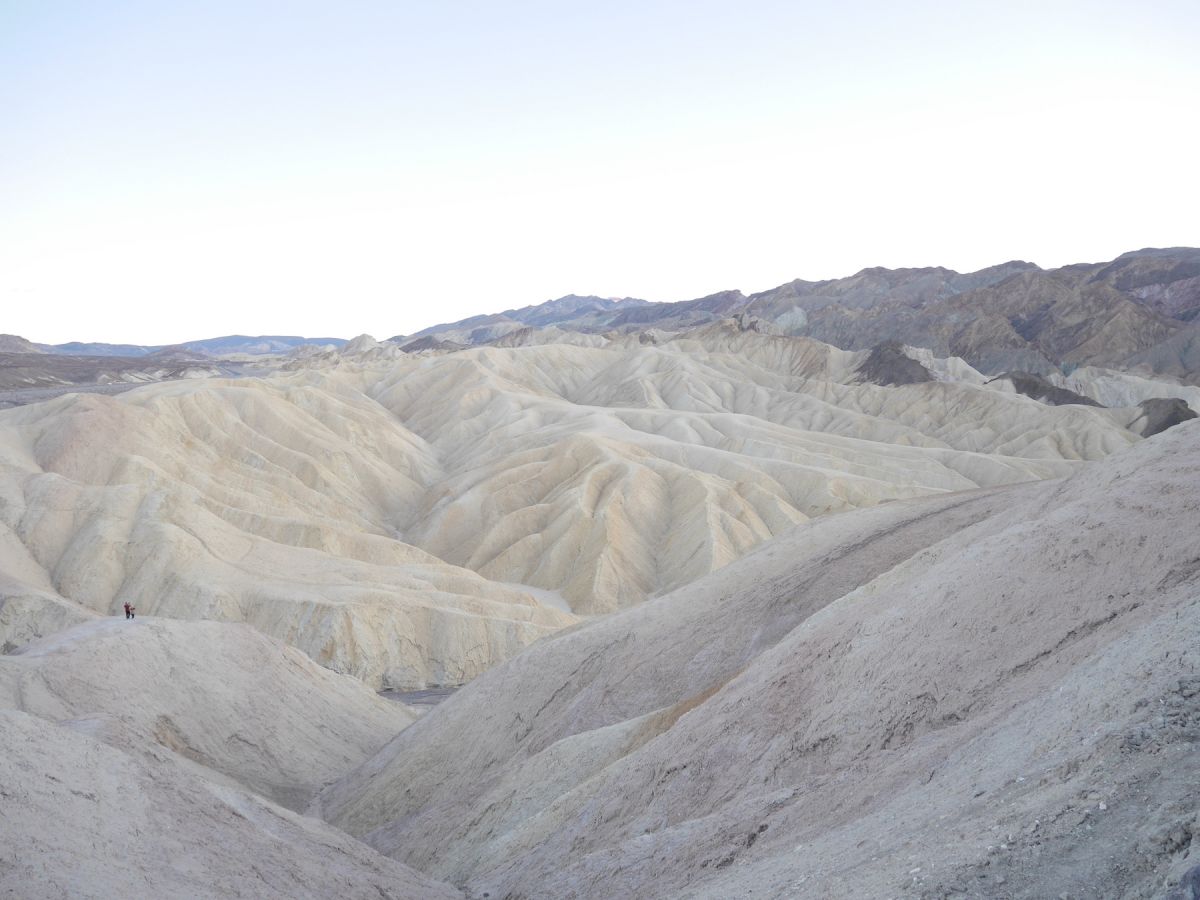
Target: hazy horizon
(171, 173)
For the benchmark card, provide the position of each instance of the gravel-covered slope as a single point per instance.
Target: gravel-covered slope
(223, 696)
(81, 819)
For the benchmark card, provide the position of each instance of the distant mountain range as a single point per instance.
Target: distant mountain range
(219, 346)
(1141, 310)
(1138, 312)
(38, 368)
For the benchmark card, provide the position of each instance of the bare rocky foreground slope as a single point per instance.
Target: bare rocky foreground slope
(987, 694)
(136, 758)
(223, 696)
(414, 519)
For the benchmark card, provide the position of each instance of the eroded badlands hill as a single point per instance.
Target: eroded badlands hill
(986, 694)
(415, 519)
(262, 502)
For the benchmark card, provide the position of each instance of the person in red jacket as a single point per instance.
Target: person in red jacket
(128, 610)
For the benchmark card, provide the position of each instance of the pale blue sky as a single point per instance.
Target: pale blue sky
(176, 170)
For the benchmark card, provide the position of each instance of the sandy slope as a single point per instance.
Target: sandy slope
(81, 819)
(381, 511)
(992, 694)
(222, 696)
(136, 756)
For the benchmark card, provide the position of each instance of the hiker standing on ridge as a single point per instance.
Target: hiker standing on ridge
(133, 612)
(128, 610)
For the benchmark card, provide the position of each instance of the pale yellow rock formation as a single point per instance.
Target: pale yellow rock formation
(382, 512)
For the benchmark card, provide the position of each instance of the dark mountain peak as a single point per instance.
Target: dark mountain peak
(1007, 269)
(799, 284)
(430, 343)
(570, 305)
(1132, 271)
(1041, 282)
(1161, 253)
(887, 364)
(565, 303)
(177, 353)
(1161, 413)
(902, 274)
(720, 303)
(1038, 388)
(732, 296)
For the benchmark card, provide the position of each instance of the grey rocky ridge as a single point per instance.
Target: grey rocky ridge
(1139, 310)
(884, 586)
